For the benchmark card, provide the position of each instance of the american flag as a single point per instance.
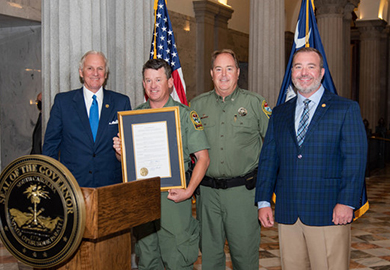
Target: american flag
(164, 47)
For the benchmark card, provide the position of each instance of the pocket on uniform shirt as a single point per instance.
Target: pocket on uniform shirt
(244, 125)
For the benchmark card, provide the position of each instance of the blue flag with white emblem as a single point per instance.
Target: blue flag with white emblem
(306, 35)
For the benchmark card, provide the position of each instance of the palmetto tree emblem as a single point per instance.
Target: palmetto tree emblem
(35, 193)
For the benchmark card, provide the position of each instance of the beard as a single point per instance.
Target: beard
(307, 89)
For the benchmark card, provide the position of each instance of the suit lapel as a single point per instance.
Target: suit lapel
(322, 108)
(290, 116)
(79, 106)
(107, 108)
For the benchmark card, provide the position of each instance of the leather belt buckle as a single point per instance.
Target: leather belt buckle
(221, 184)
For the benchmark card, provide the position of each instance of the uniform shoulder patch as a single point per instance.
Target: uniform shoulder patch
(196, 120)
(266, 109)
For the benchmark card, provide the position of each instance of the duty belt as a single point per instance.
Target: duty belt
(249, 180)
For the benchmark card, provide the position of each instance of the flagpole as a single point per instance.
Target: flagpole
(307, 43)
(154, 32)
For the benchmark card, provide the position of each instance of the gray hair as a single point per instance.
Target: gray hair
(82, 60)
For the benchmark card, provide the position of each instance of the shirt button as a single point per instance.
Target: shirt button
(221, 148)
(299, 156)
(221, 136)
(90, 171)
(222, 123)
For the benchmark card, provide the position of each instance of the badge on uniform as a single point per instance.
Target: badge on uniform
(196, 120)
(266, 109)
(242, 111)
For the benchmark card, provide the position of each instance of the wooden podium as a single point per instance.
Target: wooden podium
(111, 212)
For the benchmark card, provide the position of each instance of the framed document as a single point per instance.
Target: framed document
(152, 146)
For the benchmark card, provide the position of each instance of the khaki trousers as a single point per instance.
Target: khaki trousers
(305, 247)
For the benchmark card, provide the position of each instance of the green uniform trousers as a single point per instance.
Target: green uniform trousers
(228, 214)
(170, 243)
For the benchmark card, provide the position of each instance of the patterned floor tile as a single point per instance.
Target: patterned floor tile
(370, 235)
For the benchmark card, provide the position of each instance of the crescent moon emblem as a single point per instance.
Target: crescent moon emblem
(300, 42)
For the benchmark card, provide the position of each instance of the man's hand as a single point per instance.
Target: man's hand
(342, 214)
(266, 217)
(203, 161)
(178, 194)
(117, 145)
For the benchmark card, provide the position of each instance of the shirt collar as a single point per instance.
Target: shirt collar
(88, 94)
(231, 97)
(315, 98)
(169, 103)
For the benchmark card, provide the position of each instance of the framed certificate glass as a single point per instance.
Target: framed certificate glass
(152, 146)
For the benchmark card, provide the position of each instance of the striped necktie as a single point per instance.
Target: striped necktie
(303, 122)
(94, 117)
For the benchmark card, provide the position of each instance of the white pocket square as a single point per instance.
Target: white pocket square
(115, 122)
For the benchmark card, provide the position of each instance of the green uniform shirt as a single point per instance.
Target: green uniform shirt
(192, 133)
(235, 129)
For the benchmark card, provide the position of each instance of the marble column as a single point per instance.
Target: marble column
(221, 27)
(266, 48)
(330, 25)
(121, 29)
(372, 93)
(211, 34)
(347, 18)
(387, 75)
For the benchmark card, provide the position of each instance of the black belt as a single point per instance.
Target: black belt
(249, 180)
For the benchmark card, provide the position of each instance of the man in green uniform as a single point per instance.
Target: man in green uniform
(235, 122)
(173, 241)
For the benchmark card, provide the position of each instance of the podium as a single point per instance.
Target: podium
(111, 212)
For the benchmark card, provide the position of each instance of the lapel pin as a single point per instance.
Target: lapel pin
(323, 105)
(107, 106)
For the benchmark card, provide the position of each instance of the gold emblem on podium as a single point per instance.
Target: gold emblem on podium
(42, 211)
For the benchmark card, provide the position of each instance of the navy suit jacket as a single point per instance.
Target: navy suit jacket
(327, 169)
(69, 138)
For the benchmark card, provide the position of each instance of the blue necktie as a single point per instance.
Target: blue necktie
(94, 117)
(303, 122)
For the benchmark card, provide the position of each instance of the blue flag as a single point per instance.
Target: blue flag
(307, 35)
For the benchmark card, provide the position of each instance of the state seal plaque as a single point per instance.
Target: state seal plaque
(42, 211)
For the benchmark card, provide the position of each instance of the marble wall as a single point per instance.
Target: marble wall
(20, 82)
(184, 28)
(21, 78)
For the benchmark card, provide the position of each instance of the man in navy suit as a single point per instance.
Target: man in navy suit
(87, 151)
(313, 158)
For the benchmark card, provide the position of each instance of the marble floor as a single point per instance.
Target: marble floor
(370, 235)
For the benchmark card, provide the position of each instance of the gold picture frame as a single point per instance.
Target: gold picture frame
(152, 146)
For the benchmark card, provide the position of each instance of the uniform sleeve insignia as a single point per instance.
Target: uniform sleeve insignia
(196, 120)
(266, 109)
